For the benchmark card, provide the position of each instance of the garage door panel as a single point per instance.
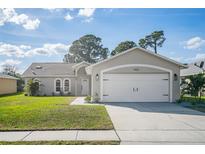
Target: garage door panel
(136, 88)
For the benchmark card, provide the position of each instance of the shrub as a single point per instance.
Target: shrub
(88, 99)
(96, 98)
(193, 85)
(32, 87)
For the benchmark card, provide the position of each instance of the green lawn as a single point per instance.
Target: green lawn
(193, 99)
(19, 112)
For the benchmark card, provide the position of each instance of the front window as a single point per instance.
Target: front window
(66, 85)
(58, 85)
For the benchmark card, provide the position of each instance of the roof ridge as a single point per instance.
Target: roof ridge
(52, 63)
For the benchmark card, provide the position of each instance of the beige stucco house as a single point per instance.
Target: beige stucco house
(135, 75)
(8, 84)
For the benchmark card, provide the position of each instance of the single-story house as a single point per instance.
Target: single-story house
(135, 75)
(192, 69)
(8, 84)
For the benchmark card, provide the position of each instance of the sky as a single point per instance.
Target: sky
(45, 35)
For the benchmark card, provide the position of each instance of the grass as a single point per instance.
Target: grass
(61, 143)
(193, 99)
(195, 102)
(19, 112)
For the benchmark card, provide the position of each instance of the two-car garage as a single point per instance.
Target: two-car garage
(136, 75)
(136, 87)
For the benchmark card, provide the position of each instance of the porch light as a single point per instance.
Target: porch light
(97, 77)
(175, 77)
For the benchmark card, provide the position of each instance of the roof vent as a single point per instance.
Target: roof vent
(38, 67)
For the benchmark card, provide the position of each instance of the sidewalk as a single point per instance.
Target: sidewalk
(78, 101)
(63, 135)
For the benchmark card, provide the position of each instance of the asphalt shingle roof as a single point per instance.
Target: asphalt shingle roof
(49, 69)
(5, 76)
(192, 69)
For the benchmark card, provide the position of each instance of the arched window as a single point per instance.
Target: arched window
(66, 85)
(58, 85)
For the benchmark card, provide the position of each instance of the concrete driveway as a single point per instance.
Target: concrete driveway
(157, 123)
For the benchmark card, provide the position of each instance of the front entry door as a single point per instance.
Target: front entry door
(84, 87)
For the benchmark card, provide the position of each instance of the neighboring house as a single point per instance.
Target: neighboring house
(135, 75)
(8, 84)
(192, 69)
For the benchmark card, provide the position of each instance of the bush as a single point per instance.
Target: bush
(32, 87)
(88, 99)
(96, 98)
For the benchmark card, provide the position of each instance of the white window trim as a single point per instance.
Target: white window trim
(69, 85)
(142, 65)
(55, 85)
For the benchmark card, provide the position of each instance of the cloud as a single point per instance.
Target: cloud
(49, 49)
(194, 43)
(11, 62)
(199, 56)
(25, 47)
(88, 20)
(68, 17)
(11, 50)
(86, 12)
(9, 15)
(53, 9)
(27, 51)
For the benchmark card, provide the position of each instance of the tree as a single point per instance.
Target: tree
(154, 40)
(32, 87)
(9, 69)
(142, 43)
(193, 85)
(123, 46)
(88, 48)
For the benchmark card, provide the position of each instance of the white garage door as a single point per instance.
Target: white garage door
(135, 87)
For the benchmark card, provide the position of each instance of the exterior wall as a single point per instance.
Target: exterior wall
(136, 57)
(48, 83)
(8, 86)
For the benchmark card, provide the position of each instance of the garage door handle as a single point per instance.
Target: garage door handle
(105, 95)
(135, 89)
(165, 95)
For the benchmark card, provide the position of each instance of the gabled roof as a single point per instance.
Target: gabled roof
(49, 69)
(5, 76)
(192, 69)
(83, 63)
(144, 50)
